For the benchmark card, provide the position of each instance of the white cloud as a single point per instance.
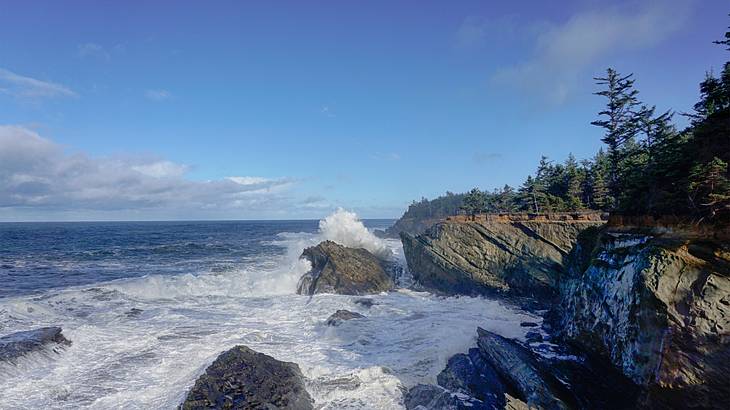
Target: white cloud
(26, 87)
(38, 177)
(93, 50)
(157, 95)
(562, 53)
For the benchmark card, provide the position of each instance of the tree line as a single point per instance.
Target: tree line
(647, 166)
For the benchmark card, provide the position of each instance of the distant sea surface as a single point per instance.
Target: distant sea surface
(40, 256)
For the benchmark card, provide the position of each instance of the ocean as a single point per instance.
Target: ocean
(149, 305)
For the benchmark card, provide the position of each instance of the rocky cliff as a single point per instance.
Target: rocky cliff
(658, 307)
(523, 258)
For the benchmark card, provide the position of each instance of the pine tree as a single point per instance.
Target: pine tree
(475, 202)
(710, 186)
(621, 120)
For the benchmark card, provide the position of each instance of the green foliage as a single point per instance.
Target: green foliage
(475, 202)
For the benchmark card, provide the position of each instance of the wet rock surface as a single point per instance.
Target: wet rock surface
(18, 344)
(520, 370)
(241, 378)
(342, 270)
(341, 316)
(470, 374)
(430, 397)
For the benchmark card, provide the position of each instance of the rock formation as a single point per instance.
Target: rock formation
(241, 378)
(18, 344)
(523, 258)
(347, 271)
(657, 307)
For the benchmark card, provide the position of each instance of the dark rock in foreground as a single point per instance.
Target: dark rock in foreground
(470, 374)
(430, 397)
(346, 271)
(342, 315)
(241, 378)
(518, 367)
(18, 344)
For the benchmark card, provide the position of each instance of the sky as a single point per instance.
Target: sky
(172, 110)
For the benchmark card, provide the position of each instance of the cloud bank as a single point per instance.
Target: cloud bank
(38, 176)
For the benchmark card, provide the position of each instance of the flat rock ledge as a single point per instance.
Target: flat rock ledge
(18, 344)
(345, 271)
(241, 378)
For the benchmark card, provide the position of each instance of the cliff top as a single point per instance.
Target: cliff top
(532, 217)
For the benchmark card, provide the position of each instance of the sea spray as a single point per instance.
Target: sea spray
(345, 228)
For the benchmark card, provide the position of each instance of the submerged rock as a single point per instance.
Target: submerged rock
(342, 315)
(341, 270)
(241, 378)
(522, 258)
(658, 308)
(18, 344)
(365, 302)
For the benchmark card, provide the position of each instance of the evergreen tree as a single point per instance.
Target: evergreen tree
(710, 187)
(621, 120)
(475, 202)
(530, 195)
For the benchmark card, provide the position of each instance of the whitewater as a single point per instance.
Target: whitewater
(139, 342)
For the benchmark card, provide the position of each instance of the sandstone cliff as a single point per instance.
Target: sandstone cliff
(658, 307)
(523, 258)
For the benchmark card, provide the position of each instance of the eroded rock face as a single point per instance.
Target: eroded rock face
(521, 258)
(659, 310)
(341, 270)
(342, 315)
(18, 344)
(241, 378)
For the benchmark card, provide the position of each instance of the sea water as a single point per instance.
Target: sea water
(148, 306)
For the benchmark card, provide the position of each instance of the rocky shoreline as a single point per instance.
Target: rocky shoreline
(650, 307)
(632, 319)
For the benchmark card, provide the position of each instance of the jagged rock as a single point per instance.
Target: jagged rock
(524, 258)
(18, 344)
(346, 271)
(342, 315)
(430, 397)
(521, 371)
(659, 309)
(472, 375)
(241, 378)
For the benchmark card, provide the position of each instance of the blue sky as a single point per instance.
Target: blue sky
(258, 110)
